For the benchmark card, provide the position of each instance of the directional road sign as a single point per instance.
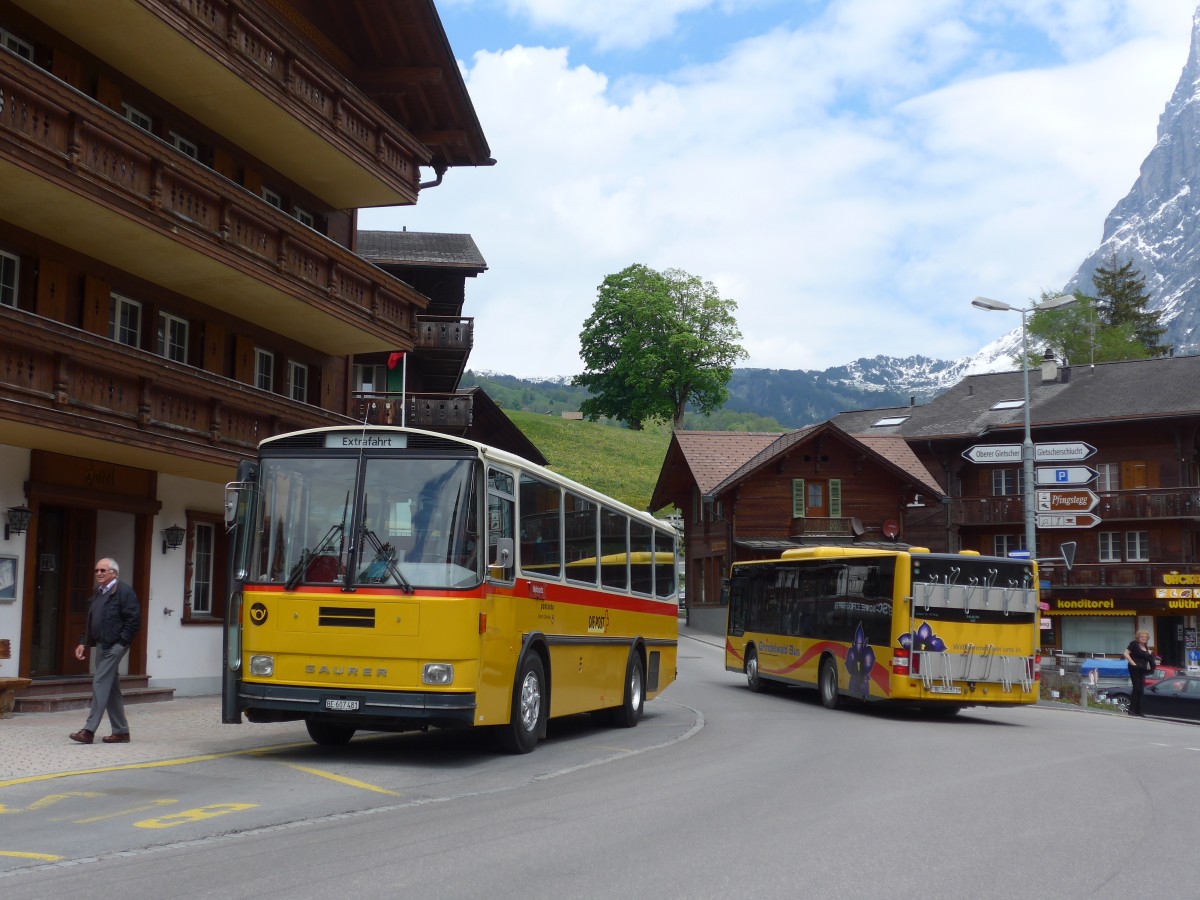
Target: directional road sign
(1067, 520)
(1078, 500)
(1067, 451)
(1064, 475)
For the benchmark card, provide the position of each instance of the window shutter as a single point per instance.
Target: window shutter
(797, 498)
(835, 498)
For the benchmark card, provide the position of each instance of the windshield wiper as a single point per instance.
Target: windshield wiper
(385, 554)
(324, 546)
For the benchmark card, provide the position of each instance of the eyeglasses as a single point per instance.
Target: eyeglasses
(101, 571)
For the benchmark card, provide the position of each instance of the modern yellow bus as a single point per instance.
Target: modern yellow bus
(391, 579)
(934, 630)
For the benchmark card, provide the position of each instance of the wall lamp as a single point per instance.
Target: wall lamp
(173, 538)
(19, 518)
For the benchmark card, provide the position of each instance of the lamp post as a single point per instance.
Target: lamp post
(1027, 498)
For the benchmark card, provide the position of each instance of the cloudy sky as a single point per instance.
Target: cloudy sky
(851, 172)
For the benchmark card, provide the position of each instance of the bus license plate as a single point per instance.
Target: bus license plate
(943, 689)
(342, 705)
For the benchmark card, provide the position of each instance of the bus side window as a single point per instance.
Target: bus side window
(501, 506)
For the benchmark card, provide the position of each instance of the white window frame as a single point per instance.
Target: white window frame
(20, 47)
(1108, 477)
(137, 117)
(273, 198)
(1109, 547)
(304, 217)
(122, 308)
(1137, 546)
(1003, 544)
(1001, 479)
(10, 278)
(297, 381)
(165, 344)
(183, 145)
(264, 369)
(204, 542)
(370, 378)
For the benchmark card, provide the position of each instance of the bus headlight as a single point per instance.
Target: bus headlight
(262, 665)
(438, 673)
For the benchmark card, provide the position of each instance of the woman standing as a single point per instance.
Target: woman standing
(1141, 662)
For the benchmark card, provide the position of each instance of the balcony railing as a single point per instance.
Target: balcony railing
(445, 333)
(1136, 504)
(62, 378)
(70, 140)
(449, 413)
(822, 526)
(1168, 577)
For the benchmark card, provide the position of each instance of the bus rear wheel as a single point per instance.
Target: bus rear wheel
(328, 734)
(828, 682)
(528, 712)
(627, 714)
(753, 679)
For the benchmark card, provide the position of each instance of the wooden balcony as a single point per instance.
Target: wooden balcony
(82, 176)
(1174, 580)
(449, 413)
(822, 526)
(232, 67)
(1125, 507)
(443, 345)
(72, 392)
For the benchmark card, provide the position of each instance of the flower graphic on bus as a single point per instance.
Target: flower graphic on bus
(925, 640)
(860, 659)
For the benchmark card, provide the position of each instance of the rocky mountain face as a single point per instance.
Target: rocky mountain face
(1156, 225)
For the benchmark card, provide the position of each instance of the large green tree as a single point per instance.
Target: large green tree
(654, 343)
(1112, 326)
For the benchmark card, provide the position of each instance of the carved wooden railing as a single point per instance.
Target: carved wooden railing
(303, 83)
(434, 412)
(445, 333)
(1136, 504)
(71, 140)
(64, 378)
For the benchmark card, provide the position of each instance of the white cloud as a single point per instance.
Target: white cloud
(851, 182)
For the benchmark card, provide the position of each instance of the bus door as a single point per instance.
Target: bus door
(240, 497)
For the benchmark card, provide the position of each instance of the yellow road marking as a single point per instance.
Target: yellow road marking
(17, 854)
(194, 815)
(125, 812)
(341, 779)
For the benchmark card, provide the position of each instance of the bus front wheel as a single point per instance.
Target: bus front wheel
(327, 734)
(627, 714)
(528, 713)
(829, 684)
(753, 679)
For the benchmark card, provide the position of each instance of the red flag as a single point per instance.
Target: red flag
(394, 359)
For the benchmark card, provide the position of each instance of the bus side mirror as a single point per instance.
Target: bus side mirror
(231, 505)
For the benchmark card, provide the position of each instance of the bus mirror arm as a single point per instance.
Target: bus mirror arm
(503, 560)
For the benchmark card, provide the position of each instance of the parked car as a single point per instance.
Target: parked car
(1119, 694)
(1175, 698)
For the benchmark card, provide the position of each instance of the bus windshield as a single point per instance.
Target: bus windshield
(415, 520)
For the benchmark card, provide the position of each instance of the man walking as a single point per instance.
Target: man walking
(113, 618)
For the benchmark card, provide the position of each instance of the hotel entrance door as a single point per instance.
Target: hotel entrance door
(62, 570)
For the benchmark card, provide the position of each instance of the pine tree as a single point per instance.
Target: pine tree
(1121, 300)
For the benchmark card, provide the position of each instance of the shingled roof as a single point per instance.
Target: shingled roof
(421, 248)
(708, 457)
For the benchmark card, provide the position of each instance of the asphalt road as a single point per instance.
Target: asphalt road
(718, 792)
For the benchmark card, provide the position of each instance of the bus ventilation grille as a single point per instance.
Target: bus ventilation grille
(340, 617)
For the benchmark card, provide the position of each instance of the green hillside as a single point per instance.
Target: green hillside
(618, 462)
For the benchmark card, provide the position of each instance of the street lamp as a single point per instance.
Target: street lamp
(1027, 499)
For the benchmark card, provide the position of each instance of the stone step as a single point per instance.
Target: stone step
(65, 694)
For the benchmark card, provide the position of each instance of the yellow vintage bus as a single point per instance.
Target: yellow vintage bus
(935, 630)
(391, 579)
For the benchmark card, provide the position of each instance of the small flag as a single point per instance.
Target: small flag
(394, 359)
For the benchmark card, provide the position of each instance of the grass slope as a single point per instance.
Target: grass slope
(618, 462)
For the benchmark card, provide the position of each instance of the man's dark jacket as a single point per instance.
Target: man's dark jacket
(122, 618)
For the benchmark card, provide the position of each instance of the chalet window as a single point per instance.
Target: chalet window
(1109, 478)
(304, 217)
(204, 540)
(125, 320)
(297, 381)
(370, 379)
(1137, 546)
(172, 338)
(183, 145)
(14, 44)
(264, 366)
(273, 198)
(137, 117)
(10, 270)
(1110, 546)
(1007, 482)
(1003, 544)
